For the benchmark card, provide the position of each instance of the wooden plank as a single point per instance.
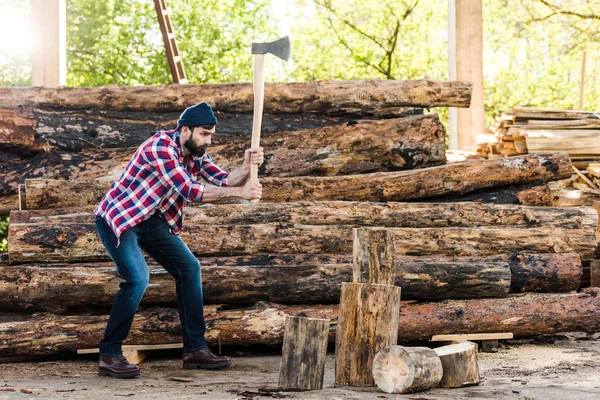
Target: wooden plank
(135, 356)
(471, 336)
(136, 347)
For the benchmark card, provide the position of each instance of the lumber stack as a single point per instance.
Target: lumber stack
(476, 245)
(524, 130)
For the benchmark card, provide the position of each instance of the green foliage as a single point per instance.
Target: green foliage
(119, 41)
(3, 234)
(532, 48)
(533, 54)
(361, 39)
(15, 64)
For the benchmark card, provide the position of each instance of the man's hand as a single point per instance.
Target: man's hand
(252, 191)
(253, 156)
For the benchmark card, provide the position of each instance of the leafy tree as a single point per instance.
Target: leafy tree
(533, 54)
(3, 234)
(15, 66)
(119, 41)
(360, 39)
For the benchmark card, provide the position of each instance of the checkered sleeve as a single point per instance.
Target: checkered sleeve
(212, 172)
(164, 158)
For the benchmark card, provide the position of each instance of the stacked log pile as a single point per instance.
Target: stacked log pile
(465, 262)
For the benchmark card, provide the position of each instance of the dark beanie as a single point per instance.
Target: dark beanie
(200, 114)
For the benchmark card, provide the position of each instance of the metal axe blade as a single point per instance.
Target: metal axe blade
(280, 48)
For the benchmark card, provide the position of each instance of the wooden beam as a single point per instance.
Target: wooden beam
(466, 63)
(49, 51)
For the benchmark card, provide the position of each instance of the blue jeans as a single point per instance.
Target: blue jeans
(152, 236)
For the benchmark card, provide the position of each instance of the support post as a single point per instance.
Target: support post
(49, 50)
(465, 49)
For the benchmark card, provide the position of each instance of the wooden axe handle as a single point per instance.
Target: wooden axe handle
(259, 96)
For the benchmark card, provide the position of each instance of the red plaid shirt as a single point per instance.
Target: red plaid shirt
(155, 180)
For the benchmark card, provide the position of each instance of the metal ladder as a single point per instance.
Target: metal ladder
(173, 57)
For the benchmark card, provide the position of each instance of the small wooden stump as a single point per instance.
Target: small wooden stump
(367, 322)
(398, 369)
(460, 364)
(304, 353)
(374, 256)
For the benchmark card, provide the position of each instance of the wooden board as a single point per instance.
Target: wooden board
(471, 336)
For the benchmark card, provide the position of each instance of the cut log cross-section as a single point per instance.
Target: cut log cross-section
(367, 323)
(304, 353)
(398, 369)
(380, 186)
(460, 364)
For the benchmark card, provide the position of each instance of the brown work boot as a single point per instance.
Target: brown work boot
(117, 367)
(204, 359)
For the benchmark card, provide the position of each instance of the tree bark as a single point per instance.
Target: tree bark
(349, 147)
(531, 194)
(448, 180)
(524, 315)
(459, 362)
(62, 288)
(398, 369)
(374, 256)
(409, 215)
(80, 242)
(368, 322)
(530, 272)
(318, 96)
(304, 353)
(447, 280)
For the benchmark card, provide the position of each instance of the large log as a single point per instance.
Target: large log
(304, 353)
(79, 242)
(409, 215)
(317, 96)
(348, 147)
(450, 179)
(524, 315)
(62, 288)
(366, 146)
(368, 322)
(531, 194)
(447, 180)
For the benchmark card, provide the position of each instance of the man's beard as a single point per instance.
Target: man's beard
(194, 150)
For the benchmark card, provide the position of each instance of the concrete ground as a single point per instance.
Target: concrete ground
(563, 368)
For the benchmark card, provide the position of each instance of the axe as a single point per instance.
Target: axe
(281, 49)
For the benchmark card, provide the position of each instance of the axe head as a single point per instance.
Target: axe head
(279, 48)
